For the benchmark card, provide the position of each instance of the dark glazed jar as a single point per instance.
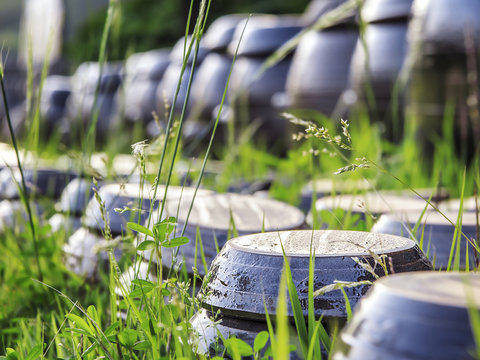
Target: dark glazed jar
(165, 93)
(134, 201)
(143, 73)
(220, 32)
(317, 8)
(377, 63)
(42, 182)
(15, 79)
(93, 96)
(414, 316)
(346, 210)
(444, 45)
(55, 93)
(244, 279)
(210, 83)
(71, 205)
(320, 66)
(214, 216)
(440, 241)
(250, 91)
(208, 90)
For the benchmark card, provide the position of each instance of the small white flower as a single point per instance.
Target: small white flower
(138, 149)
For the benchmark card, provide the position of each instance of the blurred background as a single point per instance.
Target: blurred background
(139, 25)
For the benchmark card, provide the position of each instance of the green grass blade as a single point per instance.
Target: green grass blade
(283, 339)
(102, 56)
(271, 333)
(348, 307)
(202, 253)
(210, 143)
(314, 351)
(295, 302)
(314, 348)
(454, 256)
(196, 39)
(330, 18)
(24, 193)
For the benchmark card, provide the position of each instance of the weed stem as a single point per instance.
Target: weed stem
(23, 190)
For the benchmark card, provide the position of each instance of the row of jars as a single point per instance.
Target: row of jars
(420, 53)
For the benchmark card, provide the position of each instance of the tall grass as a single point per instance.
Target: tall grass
(89, 144)
(23, 189)
(58, 325)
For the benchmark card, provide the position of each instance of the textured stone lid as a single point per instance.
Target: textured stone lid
(433, 217)
(128, 195)
(131, 191)
(373, 202)
(329, 186)
(249, 213)
(325, 243)
(469, 204)
(443, 288)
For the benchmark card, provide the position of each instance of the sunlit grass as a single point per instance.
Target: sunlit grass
(66, 316)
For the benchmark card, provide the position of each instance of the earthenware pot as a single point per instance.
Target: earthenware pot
(93, 91)
(385, 42)
(437, 234)
(443, 38)
(245, 276)
(165, 93)
(468, 204)
(327, 187)
(122, 203)
(40, 182)
(251, 88)
(71, 205)
(413, 316)
(86, 252)
(347, 210)
(209, 86)
(208, 325)
(320, 69)
(217, 217)
(264, 34)
(206, 97)
(386, 10)
(317, 8)
(75, 196)
(220, 32)
(15, 87)
(63, 222)
(144, 72)
(14, 216)
(55, 93)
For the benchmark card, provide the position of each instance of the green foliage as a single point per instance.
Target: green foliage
(161, 234)
(149, 318)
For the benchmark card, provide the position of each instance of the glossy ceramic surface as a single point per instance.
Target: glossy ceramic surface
(245, 276)
(437, 233)
(413, 316)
